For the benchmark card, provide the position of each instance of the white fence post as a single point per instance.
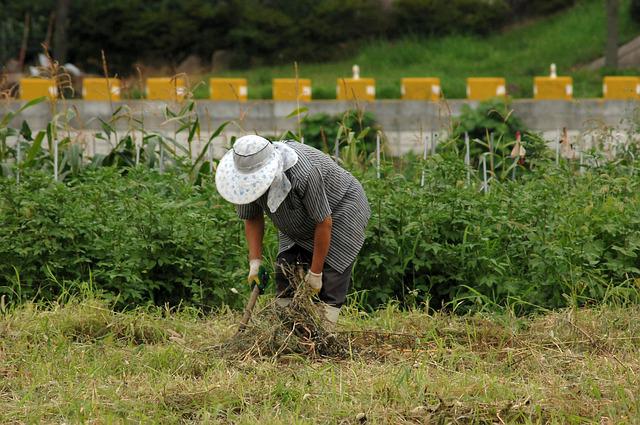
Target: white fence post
(467, 157)
(425, 150)
(378, 154)
(55, 159)
(18, 161)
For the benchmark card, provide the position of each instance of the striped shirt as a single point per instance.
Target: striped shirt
(319, 188)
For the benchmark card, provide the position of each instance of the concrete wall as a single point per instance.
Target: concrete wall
(403, 122)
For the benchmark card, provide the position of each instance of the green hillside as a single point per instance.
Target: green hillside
(569, 39)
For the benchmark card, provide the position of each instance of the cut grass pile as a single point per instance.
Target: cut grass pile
(296, 329)
(83, 362)
(570, 39)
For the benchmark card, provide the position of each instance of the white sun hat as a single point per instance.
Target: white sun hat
(251, 167)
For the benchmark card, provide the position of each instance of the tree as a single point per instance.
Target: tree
(611, 52)
(60, 45)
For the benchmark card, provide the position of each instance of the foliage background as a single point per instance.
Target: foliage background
(252, 32)
(549, 239)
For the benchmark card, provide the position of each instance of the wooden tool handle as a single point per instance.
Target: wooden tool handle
(249, 308)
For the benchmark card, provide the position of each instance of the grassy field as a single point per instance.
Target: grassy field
(82, 362)
(570, 39)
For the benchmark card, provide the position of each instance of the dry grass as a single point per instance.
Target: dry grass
(85, 363)
(276, 331)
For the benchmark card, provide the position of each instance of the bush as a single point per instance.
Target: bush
(143, 238)
(12, 19)
(321, 130)
(158, 33)
(253, 32)
(550, 240)
(494, 117)
(634, 10)
(526, 8)
(436, 17)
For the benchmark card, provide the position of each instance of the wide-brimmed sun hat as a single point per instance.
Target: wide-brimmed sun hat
(250, 167)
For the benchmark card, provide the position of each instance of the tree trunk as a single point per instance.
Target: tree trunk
(611, 53)
(60, 36)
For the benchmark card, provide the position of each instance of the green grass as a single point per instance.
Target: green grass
(570, 39)
(84, 363)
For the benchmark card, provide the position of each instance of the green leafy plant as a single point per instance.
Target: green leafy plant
(492, 128)
(322, 130)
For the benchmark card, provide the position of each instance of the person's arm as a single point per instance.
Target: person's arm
(321, 241)
(254, 232)
(317, 205)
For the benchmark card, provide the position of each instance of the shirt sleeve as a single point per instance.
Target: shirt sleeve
(248, 211)
(315, 198)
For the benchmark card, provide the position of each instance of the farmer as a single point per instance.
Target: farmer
(319, 208)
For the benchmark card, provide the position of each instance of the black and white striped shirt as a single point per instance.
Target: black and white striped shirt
(319, 188)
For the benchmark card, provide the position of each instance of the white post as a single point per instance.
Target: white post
(467, 157)
(485, 182)
(94, 146)
(491, 152)
(378, 154)
(210, 155)
(425, 150)
(434, 143)
(55, 159)
(18, 161)
(355, 70)
(161, 160)
(137, 147)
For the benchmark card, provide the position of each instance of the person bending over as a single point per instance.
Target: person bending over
(319, 209)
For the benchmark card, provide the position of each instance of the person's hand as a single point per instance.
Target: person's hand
(254, 269)
(314, 280)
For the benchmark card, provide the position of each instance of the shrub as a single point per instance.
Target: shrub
(143, 238)
(158, 33)
(526, 8)
(550, 240)
(321, 130)
(435, 17)
(634, 10)
(164, 32)
(494, 117)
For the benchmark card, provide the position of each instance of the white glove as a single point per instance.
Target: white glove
(314, 280)
(254, 269)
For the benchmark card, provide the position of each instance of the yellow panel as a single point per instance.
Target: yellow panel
(165, 88)
(420, 89)
(621, 88)
(356, 89)
(291, 89)
(229, 89)
(483, 88)
(553, 88)
(32, 88)
(101, 89)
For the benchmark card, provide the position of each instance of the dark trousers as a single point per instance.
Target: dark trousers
(334, 284)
